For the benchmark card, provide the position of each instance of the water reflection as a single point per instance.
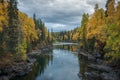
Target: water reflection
(44, 60)
(81, 59)
(82, 66)
(72, 48)
(61, 63)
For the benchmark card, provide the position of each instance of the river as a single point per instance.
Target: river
(61, 63)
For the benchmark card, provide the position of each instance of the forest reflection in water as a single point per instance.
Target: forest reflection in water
(61, 63)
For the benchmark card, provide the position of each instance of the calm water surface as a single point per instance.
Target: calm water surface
(61, 63)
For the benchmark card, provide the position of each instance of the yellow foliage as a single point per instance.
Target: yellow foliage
(96, 26)
(75, 37)
(27, 27)
(3, 15)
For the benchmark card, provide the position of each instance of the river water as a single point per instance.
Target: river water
(61, 63)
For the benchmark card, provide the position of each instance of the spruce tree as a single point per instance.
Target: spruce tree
(96, 7)
(13, 27)
(49, 37)
(84, 22)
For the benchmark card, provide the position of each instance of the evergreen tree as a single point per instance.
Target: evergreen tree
(34, 17)
(96, 7)
(84, 22)
(35, 21)
(49, 37)
(69, 37)
(13, 27)
(52, 35)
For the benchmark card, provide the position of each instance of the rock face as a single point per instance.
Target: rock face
(92, 75)
(95, 75)
(17, 69)
(20, 68)
(99, 69)
(103, 72)
(4, 78)
(91, 58)
(102, 68)
(109, 76)
(99, 61)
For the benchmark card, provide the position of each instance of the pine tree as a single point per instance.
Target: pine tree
(35, 20)
(43, 32)
(49, 37)
(13, 27)
(52, 34)
(84, 22)
(96, 7)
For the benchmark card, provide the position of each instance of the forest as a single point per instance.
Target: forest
(98, 34)
(20, 34)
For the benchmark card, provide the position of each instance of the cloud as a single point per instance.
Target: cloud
(54, 13)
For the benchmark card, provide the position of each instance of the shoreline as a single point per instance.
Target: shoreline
(100, 69)
(19, 69)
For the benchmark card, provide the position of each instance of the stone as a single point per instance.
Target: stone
(109, 76)
(99, 61)
(103, 68)
(4, 78)
(91, 58)
(97, 55)
(92, 75)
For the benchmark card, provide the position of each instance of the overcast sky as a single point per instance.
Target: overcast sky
(59, 14)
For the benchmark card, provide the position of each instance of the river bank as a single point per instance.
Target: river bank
(60, 63)
(99, 69)
(11, 69)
